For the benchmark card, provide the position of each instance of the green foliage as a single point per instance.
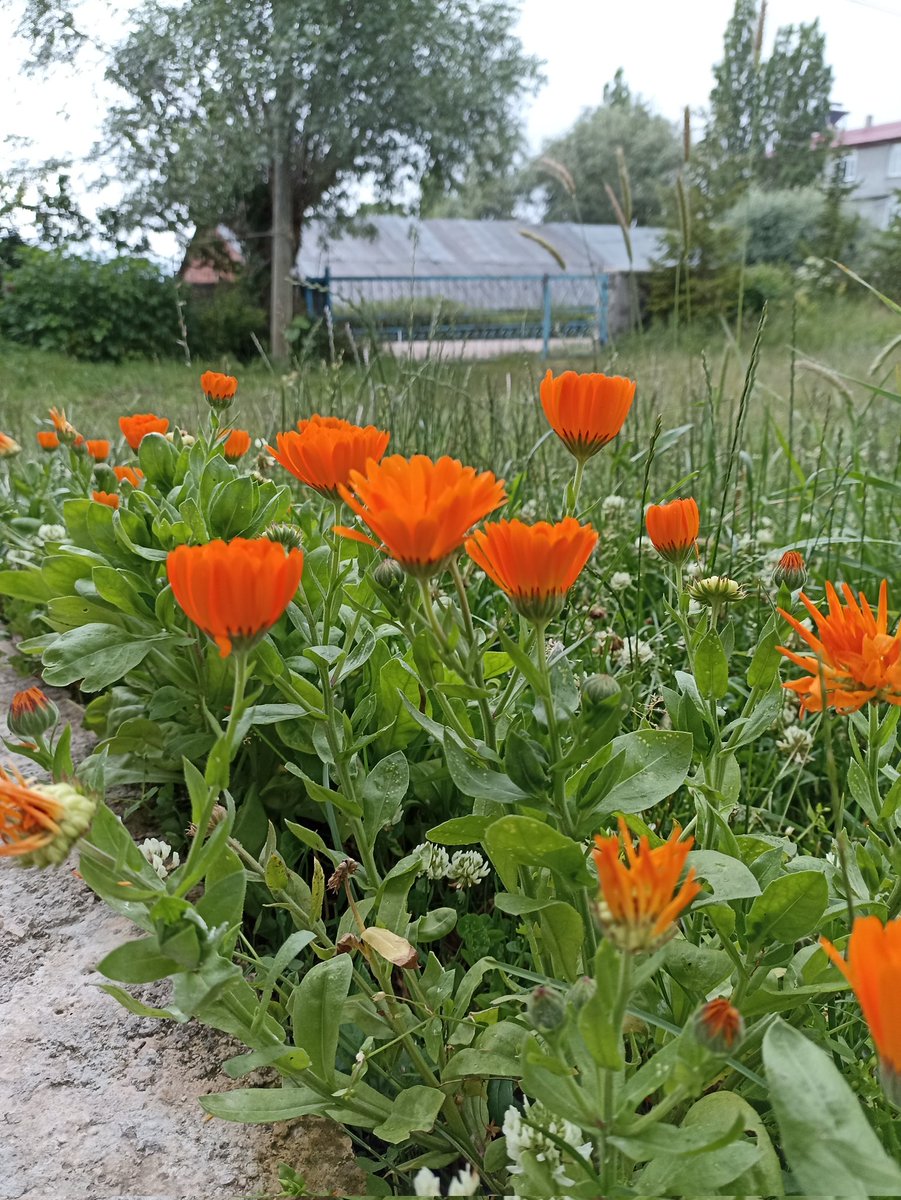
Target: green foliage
(86, 308)
(225, 322)
(778, 226)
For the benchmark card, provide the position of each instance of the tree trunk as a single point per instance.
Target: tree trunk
(281, 288)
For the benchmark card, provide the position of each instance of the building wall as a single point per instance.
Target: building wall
(876, 174)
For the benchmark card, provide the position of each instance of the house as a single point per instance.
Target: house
(479, 276)
(871, 158)
(211, 258)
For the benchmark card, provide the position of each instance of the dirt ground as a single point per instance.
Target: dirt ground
(97, 1104)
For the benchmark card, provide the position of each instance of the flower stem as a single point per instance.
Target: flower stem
(475, 656)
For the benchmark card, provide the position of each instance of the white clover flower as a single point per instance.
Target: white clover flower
(612, 506)
(693, 568)
(465, 1183)
(522, 1136)
(620, 580)
(435, 860)
(765, 535)
(633, 650)
(529, 510)
(553, 648)
(160, 855)
(426, 1183)
(796, 743)
(467, 868)
(51, 533)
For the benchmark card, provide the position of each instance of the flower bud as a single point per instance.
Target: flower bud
(389, 575)
(72, 814)
(790, 570)
(599, 690)
(545, 1010)
(716, 590)
(290, 536)
(581, 992)
(719, 1027)
(9, 447)
(219, 389)
(31, 713)
(105, 478)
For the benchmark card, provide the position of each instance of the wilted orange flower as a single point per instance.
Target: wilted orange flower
(855, 659)
(40, 822)
(236, 444)
(419, 509)
(673, 528)
(535, 565)
(132, 475)
(719, 1026)
(234, 591)
(136, 428)
(110, 499)
(219, 389)
(98, 450)
(641, 898)
(64, 429)
(8, 446)
(586, 411)
(47, 439)
(874, 971)
(324, 451)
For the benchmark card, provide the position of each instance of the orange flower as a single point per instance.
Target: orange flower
(65, 430)
(236, 444)
(31, 713)
(673, 528)
(98, 450)
(719, 1026)
(874, 971)
(39, 823)
(219, 389)
(132, 475)
(136, 428)
(855, 659)
(420, 510)
(110, 499)
(790, 570)
(234, 591)
(535, 565)
(640, 897)
(48, 439)
(586, 411)
(8, 446)
(325, 450)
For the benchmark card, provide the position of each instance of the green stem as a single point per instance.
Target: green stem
(575, 487)
(475, 656)
(559, 783)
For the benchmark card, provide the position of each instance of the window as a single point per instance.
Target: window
(849, 167)
(894, 162)
(892, 210)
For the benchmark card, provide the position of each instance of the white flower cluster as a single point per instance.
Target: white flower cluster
(160, 855)
(633, 651)
(525, 1133)
(427, 1183)
(620, 580)
(463, 870)
(51, 533)
(613, 507)
(796, 743)
(529, 511)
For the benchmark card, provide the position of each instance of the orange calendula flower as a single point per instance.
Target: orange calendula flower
(420, 510)
(132, 475)
(874, 971)
(219, 389)
(31, 713)
(110, 499)
(324, 451)
(39, 823)
(234, 591)
(673, 528)
(48, 439)
(790, 570)
(535, 565)
(586, 411)
(236, 444)
(64, 429)
(719, 1026)
(8, 446)
(98, 449)
(855, 659)
(641, 897)
(136, 428)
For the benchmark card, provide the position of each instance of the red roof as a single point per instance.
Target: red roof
(870, 135)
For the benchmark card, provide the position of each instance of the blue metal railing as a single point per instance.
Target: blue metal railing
(502, 293)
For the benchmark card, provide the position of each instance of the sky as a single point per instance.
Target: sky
(665, 48)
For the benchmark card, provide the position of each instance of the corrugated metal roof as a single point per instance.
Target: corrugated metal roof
(454, 246)
(870, 135)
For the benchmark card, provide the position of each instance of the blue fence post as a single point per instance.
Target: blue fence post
(546, 326)
(327, 290)
(603, 306)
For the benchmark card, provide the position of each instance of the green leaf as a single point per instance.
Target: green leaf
(139, 961)
(316, 1006)
(595, 1017)
(291, 1058)
(654, 762)
(262, 1106)
(475, 778)
(98, 655)
(830, 1146)
(415, 1108)
(482, 1063)
(527, 842)
(727, 877)
(383, 792)
(711, 666)
(563, 932)
(24, 585)
(460, 831)
(138, 1008)
(323, 795)
(788, 909)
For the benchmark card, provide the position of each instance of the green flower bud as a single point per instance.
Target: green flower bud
(545, 1010)
(719, 1027)
(31, 713)
(716, 590)
(289, 535)
(389, 575)
(581, 992)
(599, 690)
(791, 571)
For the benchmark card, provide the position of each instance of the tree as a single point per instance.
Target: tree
(768, 119)
(588, 152)
(309, 99)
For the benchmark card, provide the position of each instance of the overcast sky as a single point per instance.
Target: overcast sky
(665, 48)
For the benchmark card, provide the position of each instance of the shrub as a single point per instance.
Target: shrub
(225, 321)
(779, 226)
(123, 308)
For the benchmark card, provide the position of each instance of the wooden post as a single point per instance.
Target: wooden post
(281, 288)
